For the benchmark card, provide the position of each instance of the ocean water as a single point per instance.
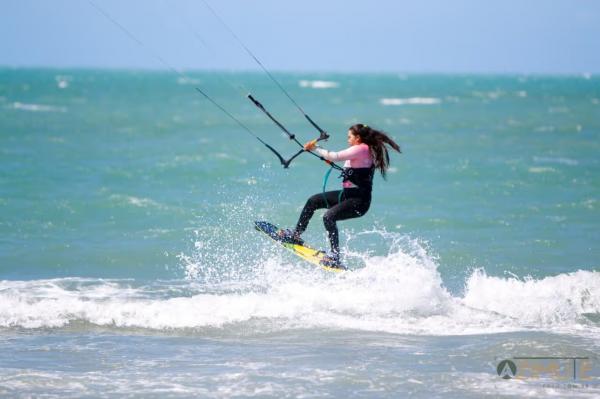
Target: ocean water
(129, 265)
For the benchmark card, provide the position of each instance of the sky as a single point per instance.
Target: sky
(425, 36)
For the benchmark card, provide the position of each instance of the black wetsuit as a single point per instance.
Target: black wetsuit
(352, 203)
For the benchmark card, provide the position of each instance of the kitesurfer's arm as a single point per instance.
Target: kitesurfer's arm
(354, 152)
(358, 155)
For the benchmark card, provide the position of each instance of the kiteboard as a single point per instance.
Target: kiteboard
(309, 254)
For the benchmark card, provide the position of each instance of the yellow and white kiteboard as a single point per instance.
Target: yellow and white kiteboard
(309, 254)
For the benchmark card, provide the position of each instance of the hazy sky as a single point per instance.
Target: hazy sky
(482, 36)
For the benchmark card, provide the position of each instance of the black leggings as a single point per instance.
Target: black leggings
(354, 203)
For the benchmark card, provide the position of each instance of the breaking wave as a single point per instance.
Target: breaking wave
(399, 292)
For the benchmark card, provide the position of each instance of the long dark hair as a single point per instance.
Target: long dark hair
(377, 141)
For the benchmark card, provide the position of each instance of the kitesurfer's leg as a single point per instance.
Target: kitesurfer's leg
(347, 209)
(317, 201)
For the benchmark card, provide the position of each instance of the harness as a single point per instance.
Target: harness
(362, 178)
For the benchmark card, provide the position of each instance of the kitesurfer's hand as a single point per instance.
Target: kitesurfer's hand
(310, 145)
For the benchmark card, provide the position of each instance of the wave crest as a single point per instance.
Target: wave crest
(399, 292)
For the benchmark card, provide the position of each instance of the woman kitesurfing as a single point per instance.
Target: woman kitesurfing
(366, 153)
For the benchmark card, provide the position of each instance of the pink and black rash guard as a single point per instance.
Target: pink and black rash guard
(357, 156)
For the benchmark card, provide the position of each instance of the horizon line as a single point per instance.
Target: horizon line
(137, 69)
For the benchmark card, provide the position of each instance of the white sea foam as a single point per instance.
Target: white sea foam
(491, 95)
(137, 201)
(552, 301)
(401, 292)
(37, 107)
(544, 129)
(558, 160)
(318, 84)
(540, 169)
(410, 101)
(63, 81)
(187, 81)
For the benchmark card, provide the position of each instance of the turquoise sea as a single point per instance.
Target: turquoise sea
(129, 266)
